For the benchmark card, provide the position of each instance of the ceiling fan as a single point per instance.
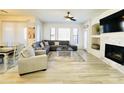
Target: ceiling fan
(69, 17)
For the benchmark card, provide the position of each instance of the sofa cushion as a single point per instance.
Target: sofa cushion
(46, 43)
(51, 42)
(28, 52)
(57, 43)
(53, 47)
(73, 47)
(63, 42)
(42, 45)
(47, 48)
(36, 45)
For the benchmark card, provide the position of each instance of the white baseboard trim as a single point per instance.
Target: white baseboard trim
(114, 64)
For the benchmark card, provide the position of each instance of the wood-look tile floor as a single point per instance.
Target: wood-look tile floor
(90, 71)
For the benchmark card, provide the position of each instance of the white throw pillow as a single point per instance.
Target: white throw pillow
(46, 43)
(28, 52)
(42, 45)
(57, 43)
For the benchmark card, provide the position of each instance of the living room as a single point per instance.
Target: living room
(56, 44)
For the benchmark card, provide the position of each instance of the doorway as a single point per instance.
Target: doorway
(85, 40)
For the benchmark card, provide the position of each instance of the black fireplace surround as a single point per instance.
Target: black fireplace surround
(115, 53)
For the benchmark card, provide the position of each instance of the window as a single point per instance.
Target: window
(75, 36)
(52, 34)
(14, 32)
(64, 34)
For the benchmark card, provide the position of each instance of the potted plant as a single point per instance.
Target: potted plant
(98, 29)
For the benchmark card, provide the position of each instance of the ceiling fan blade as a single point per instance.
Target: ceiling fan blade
(4, 11)
(73, 19)
(68, 16)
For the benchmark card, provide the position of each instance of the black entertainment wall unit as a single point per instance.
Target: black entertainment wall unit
(113, 23)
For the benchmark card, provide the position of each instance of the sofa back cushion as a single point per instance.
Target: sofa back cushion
(36, 45)
(52, 42)
(42, 44)
(28, 52)
(63, 42)
(46, 43)
(57, 43)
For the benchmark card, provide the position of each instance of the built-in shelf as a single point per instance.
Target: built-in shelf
(95, 37)
(96, 50)
(96, 29)
(95, 43)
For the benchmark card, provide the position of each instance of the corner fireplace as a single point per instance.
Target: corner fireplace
(115, 53)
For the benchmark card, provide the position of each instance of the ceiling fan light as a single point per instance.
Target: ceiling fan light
(70, 15)
(67, 19)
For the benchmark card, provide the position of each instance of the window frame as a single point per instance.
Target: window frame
(52, 34)
(77, 36)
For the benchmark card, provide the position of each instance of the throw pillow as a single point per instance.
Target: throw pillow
(46, 43)
(57, 43)
(42, 45)
(28, 52)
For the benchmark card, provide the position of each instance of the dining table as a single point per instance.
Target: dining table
(4, 52)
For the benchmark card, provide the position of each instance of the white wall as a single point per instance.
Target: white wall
(47, 27)
(28, 19)
(0, 32)
(113, 39)
(109, 38)
(94, 21)
(31, 22)
(39, 29)
(104, 14)
(86, 27)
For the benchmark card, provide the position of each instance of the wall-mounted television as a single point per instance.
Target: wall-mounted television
(113, 23)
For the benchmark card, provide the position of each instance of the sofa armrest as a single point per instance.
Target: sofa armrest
(74, 47)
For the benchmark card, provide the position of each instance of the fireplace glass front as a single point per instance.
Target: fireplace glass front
(115, 53)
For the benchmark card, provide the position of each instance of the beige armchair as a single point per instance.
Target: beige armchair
(32, 64)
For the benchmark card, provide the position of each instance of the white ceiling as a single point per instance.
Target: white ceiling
(57, 15)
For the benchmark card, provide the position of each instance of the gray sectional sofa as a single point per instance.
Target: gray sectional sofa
(51, 45)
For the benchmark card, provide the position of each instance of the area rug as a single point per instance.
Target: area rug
(66, 58)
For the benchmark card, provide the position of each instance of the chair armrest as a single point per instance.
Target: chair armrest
(31, 64)
(33, 59)
(40, 52)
